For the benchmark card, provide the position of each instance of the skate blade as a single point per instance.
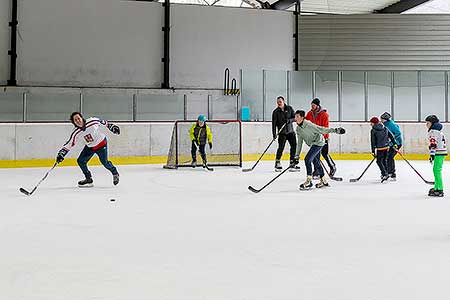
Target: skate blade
(276, 170)
(89, 185)
(294, 170)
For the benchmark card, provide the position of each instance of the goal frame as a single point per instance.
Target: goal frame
(213, 164)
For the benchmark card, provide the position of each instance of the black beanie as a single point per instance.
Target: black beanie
(316, 101)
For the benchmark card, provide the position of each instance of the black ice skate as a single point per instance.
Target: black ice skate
(88, 182)
(278, 166)
(393, 177)
(307, 184)
(194, 163)
(116, 179)
(294, 167)
(436, 193)
(384, 178)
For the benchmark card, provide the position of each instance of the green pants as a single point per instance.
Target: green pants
(437, 171)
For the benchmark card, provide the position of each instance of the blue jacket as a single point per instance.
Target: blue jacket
(395, 130)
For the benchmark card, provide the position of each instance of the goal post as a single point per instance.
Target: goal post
(226, 150)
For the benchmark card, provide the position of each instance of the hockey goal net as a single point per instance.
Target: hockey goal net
(226, 150)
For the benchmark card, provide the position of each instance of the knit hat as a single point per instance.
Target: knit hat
(432, 118)
(386, 116)
(374, 120)
(316, 101)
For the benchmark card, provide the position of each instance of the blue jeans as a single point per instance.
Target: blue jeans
(313, 157)
(86, 155)
(201, 149)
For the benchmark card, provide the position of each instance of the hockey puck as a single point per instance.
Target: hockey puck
(112, 200)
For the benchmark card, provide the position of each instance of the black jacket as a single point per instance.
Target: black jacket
(380, 137)
(281, 117)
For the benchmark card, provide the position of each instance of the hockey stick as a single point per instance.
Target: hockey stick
(22, 190)
(356, 179)
(273, 179)
(329, 175)
(426, 181)
(270, 144)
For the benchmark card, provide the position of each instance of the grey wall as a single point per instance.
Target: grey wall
(120, 43)
(206, 40)
(4, 40)
(375, 42)
(90, 43)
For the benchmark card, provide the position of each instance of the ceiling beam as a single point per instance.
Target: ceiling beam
(283, 4)
(400, 6)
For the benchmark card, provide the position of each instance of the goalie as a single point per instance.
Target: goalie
(200, 134)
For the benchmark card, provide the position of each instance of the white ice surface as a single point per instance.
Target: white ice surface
(192, 234)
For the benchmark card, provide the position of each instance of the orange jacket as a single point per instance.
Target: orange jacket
(320, 118)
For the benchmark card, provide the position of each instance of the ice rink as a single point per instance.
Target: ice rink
(194, 234)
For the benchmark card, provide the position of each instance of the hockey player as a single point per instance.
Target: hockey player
(387, 121)
(438, 151)
(380, 137)
(312, 135)
(283, 115)
(200, 134)
(88, 132)
(320, 117)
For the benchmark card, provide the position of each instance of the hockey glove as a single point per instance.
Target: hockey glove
(210, 145)
(431, 159)
(114, 128)
(61, 154)
(395, 146)
(339, 130)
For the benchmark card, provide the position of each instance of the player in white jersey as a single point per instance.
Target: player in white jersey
(88, 132)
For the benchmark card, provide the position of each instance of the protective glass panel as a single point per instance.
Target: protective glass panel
(379, 93)
(276, 85)
(224, 107)
(11, 106)
(327, 92)
(51, 106)
(197, 105)
(108, 106)
(252, 93)
(301, 88)
(159, 107)
(353, 98)
(432, 94)
(406, 96)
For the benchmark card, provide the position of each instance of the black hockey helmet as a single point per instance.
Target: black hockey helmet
(386, 116)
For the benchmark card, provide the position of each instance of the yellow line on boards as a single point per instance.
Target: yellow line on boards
(136, 160)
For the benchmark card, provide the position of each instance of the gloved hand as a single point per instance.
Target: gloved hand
(339, 130)
(431, 159)
(61, 154)
(395, 146)
(210, 145)
(114, 128)
(274, 137)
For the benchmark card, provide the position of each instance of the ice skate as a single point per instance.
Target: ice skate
(323, 183)
(88, 182)
(307, 184)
